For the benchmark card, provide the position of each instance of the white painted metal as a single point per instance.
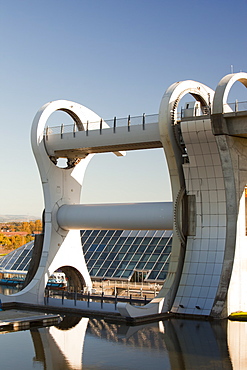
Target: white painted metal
(137, 216)
(83, 143)
(213, 174)
(171, 145)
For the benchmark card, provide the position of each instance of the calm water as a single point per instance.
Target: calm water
(82, 343)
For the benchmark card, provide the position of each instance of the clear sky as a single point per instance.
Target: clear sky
(117, 57)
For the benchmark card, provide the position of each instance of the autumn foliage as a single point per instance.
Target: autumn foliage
(15, 234)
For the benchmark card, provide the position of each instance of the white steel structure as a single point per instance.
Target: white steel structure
(206, 155)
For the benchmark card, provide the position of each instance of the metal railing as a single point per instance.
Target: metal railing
(192, 112)
(236, 106)
(99, 125)
(89, 298)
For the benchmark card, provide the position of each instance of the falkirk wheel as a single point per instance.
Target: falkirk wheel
(206, 152)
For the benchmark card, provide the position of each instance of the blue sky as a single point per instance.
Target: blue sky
(117, 58)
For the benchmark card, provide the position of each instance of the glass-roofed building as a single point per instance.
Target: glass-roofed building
(131, 255)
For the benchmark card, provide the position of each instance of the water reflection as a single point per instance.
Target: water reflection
(60, 347)
(237, 343)
(98, 344)
(82, 343)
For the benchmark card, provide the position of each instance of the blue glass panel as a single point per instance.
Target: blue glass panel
(124, 248)
(159, 249)
(26, 260)
(105, 240)
(154, 241)
(163, 241)
(90, 240)
(98, 264)
(104, 255)
(106, 263)
(109, 272)
(110, 232)
(97, 240)
(162, 275)
(88, 255)
(121, 240)
(153, 275)
(122, 266)
(111, 256)
(100, 247)
(94, 233)
(158, 266)
(120, 256)
(90, 263)
(145, 258)
(168, 249)
(132, 249)
(111, 244)
(136, 257)
(114, 264)
(154, 258)
(137, 240)
(141, 248)
(21, 266)
(149, 266)
(128, 256)
(127, 273)
(131, 265)
(166, 267)
(96, 255)
(140, 265)
(101, 272)
(146, 241)
(116, 248)
(117, 273)
(149, 249)
(118, 232)
(163, 258)
(129, 241)
(102, 233)
(94, 271)
(24, 252)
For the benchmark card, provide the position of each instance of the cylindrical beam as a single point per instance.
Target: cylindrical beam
(136, 216)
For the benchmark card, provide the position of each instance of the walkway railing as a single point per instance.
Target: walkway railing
(237, 106)
(91, 299)
(99, 125)
(193, 112)
(134, 121)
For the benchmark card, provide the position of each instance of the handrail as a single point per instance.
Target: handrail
(235, 107)
(98, 125)
(129, 121)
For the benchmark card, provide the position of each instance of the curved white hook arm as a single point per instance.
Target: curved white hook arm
(223, 89)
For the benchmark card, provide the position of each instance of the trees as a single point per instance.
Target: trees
(4, 241)
(11, 241)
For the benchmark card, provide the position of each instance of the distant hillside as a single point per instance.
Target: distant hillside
(17, 218)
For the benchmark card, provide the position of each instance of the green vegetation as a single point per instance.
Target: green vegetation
(23, 233)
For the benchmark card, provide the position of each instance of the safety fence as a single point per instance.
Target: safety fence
(101, 125)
